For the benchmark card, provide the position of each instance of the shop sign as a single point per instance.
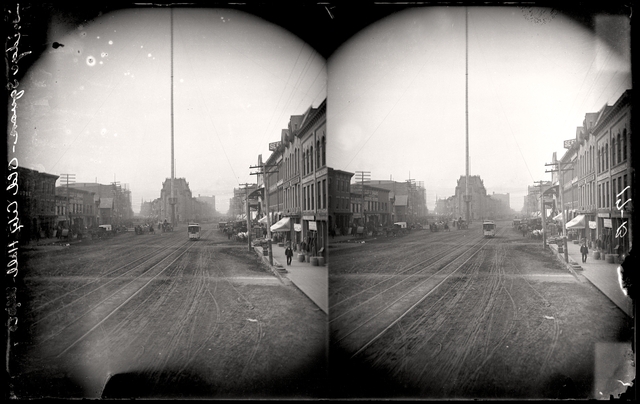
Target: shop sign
(607, 223)
(308, 218)
(312, 226)
(603, 214)
(569, 143)
(274, 146)
(592, 224)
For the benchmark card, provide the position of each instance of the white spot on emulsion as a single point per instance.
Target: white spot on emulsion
(111, 42)
(103, 131)
(115, 135)
(81, 88)
(104, 54)
(149, 55)
(182, 80)
(101, 62)
(83, 34)
(97, 37)
(91, 61)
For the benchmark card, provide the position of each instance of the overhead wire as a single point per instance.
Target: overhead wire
(502, 109)
(266, 131)
(204, 103)
(428, 59)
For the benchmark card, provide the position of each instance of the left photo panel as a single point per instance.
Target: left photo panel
(167, 199)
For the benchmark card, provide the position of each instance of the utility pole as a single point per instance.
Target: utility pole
(560, 169)
(543, 215)
(467, 197)
(246, 196)
(172, 198)
(362, 175)
(116, 202)
(68, 178)
(410, 195)
(265, 175)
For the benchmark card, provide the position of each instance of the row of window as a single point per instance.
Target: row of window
(310, 161)
(74, 208)
(610, 193)
(372, 206)
(315, 195)
(616, 155)
(342, 185)
(618, 152)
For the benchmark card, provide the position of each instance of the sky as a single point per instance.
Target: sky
(396, 94)
(99, 105)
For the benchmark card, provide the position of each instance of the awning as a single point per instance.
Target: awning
(263, 220)
(577, 222)
(558, 217)
(283, 224)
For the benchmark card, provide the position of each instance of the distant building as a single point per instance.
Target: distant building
(184, 207)
(408, 199)
(478, 194)
(36, 203)
(81, 206)
(339, 201)
(376, 205)
(503, 198)
(122, 204)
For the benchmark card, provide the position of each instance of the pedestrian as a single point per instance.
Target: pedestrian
(289, 253)
(584, 251)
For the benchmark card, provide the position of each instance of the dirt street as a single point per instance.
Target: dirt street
(157, 315)
(456, 315)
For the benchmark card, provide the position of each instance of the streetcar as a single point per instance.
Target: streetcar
(194, 231)
(488, 228)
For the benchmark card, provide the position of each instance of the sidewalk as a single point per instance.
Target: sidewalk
(312, 280)
(599, 272)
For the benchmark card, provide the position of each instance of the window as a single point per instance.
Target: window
(619, 149)
(324, 151)
(606, 154)
(613, 151)
(626, 191)
(599, 166)
(624, 145)
(324, 193)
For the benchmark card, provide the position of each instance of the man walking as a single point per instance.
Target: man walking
(584, 251)
(289, 253)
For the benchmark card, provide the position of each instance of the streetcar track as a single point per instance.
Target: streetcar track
(151, 254)
(111, 280)
(406, 311)
(118, 307)
(438, 258)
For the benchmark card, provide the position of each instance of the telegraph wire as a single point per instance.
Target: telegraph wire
(428, 59)
(204, 103)
(502, 109)
(266, 131)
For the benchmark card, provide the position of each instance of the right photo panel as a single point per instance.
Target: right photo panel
(480, 212)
